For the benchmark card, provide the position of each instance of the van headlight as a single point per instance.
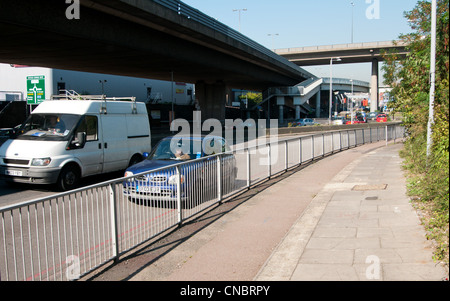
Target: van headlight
(173, 180)
(41, 161)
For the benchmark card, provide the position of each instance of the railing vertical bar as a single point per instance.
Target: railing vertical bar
(248, 168)
(22, 243)
(300, 151)
(4, 248)
(38, 241)
(114, 224)
(178, 194)
(45, 239)
(58, 231)
(30, 243)
(219, 179)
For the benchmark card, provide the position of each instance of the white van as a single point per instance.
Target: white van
(65, 140)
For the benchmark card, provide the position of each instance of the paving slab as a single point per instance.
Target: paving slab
(367, 231)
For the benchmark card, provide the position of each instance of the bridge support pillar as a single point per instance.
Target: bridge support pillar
(280, 103)
(212, 99)
(318, 104)
(297, 112)
(374, 87)
(297, 102)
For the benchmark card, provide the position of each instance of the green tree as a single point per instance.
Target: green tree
(409, 78)
(252, 97)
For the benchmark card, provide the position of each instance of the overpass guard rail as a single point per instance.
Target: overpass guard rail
(196, 15)
(68, 235)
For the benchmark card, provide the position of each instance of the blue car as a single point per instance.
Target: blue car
(196, 158)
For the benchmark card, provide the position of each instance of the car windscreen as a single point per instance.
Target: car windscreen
(50, 127)
(177, 149)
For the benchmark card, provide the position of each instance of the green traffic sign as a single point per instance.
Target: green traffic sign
(35, 89)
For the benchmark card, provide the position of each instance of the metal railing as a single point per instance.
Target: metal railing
(68, 235)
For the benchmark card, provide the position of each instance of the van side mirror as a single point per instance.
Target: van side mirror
(81, 137)
(79, 141)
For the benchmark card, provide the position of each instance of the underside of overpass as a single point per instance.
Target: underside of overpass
(140, 39)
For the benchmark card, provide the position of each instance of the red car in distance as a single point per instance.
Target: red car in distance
(381, 118)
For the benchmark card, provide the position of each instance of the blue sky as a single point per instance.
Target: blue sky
(301, 23)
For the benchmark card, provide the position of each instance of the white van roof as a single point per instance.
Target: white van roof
(80, 107)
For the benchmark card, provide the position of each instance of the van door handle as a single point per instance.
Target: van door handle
(99, 146)
(106, 145)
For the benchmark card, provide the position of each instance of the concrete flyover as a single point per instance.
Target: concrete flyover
(349, 54)
(147, 39)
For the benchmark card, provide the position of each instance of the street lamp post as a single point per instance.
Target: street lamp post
(337, 59)
(239, 11)
(353, 5)
(272, 35)
(432, 78)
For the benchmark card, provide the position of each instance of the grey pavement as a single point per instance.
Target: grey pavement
(361, 226)
(345, 217)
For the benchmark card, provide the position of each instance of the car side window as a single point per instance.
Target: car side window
(213, 146)
(225, 146)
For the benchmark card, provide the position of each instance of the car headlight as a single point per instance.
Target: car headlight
(41, 161)
(129, 174)
(173, 180)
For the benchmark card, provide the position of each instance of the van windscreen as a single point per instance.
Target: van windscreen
(52, 127)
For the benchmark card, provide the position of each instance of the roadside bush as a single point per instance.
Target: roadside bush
(428, 177)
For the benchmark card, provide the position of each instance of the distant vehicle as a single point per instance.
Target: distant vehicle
(65, 140)
(338, 120)
(198, 178)
(357, 119)
(381, 118)
(362, 118)
(373, 115)
(305, 122)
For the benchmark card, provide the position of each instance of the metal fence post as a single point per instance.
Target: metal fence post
(219, 179)
(114, 222)
(386, 134)
(269, 158)
(395, 132)
(300, 150)
(363, 136)
(332, 142)
(286, 156)
(323, 145)
(180, 217)
(248, 169)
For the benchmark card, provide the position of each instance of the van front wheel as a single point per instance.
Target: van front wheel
(68, 178)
